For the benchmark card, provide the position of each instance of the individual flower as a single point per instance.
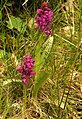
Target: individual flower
(44, 18)
(25, 68)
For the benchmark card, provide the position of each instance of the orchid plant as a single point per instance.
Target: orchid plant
(42, 22)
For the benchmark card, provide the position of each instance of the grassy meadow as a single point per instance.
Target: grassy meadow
(55, 91)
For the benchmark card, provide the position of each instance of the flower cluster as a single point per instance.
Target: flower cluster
(26, 68)
(44, 18)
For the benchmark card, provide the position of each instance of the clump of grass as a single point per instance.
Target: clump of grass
(52, 92)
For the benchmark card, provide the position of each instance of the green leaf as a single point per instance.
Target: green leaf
(40, 61)
(41, 78)
(40, 57)
(0, 14)
(17, 23)
(8, 81)
(1, 53)
(9, 4)
(47, 47)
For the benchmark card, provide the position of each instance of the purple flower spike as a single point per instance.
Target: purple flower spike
(23, 76)
(44, 18)
(24, 81)
(32, 73)
(39, 11)
(26, 68)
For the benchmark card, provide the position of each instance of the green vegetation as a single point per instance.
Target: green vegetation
(55, 91)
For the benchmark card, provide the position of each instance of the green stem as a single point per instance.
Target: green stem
(25, 98)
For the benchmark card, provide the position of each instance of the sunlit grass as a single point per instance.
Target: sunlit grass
(58, 63)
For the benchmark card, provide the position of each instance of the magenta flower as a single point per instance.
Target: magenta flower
(44, 18)
(25, 68)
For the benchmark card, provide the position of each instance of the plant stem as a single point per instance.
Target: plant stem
(24, 106)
